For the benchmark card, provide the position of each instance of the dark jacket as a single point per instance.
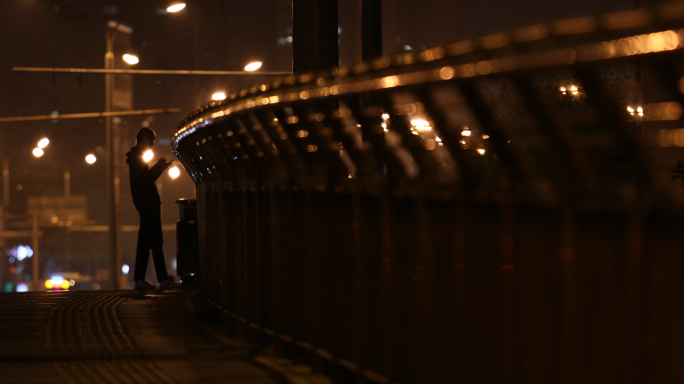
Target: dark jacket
(143, 189)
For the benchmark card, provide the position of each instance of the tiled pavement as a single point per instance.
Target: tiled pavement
(126, 337)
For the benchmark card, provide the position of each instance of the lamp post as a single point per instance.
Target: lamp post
(113, 149)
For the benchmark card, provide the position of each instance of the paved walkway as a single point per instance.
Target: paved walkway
(126, 337)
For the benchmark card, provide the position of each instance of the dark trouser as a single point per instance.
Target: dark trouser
(150, 237)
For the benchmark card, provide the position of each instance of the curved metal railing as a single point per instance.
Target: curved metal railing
(495, 209)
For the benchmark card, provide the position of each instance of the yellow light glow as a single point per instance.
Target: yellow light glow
(573, 90)
(175, 8)
(65, 284)
(481, 151)
(218, 96)
(253, 66)
(148, 155)
(49, 284)
(385, 116)
(174, 172)
(131, 59)
(563, 90)
(38, 152)
(466, 133)
(90, 158)
(43, 142)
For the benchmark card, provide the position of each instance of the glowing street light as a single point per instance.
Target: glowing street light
(175, 7)
(218, 96)
(43, 142)
(131, 59)
(90, 158)
(253, 66)
(38, 152)
(174, 172)
(148, 155)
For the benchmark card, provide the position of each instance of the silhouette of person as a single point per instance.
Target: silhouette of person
(148, 204)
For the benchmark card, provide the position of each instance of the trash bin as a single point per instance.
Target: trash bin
(187, 255)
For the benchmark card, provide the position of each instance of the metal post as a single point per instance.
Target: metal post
(371, 29)
(5, 184)
(113, 180)
(36, 250)
(67, 182)
(314, 24)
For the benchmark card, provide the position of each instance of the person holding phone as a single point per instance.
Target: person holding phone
(148, 204)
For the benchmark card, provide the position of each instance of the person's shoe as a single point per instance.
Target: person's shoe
(169, 283)
(141, 285)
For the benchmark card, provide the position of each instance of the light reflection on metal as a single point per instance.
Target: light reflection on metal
(666, 111)
(421, 125)
(670, 137)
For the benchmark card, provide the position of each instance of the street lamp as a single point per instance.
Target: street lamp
(113, 144)
(131, 59)
(174, 172)
(253, 66)
(218, 96)
(175, 7)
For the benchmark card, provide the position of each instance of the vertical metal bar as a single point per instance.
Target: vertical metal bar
(314, 33)
(35, 244)
(371, 29)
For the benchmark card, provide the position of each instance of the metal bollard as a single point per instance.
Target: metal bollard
(186, 242)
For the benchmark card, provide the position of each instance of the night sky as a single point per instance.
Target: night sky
(207, 35)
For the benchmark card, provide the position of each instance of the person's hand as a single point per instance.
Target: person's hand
(163, 163)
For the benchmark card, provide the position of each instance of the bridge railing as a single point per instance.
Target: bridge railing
(494, 210)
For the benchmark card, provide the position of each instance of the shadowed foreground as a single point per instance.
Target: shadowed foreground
(122, 337)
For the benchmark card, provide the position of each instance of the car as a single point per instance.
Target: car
(64, 281)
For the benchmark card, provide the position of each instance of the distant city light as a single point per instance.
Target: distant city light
(218, 96)
(175, 7)
(131, 59)
(174, 172)
(90, 158)
(57, 282)
(125, 269)
(38, 152)
(148, 155)
(43, 142)
(253, 66)
(21, 252)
